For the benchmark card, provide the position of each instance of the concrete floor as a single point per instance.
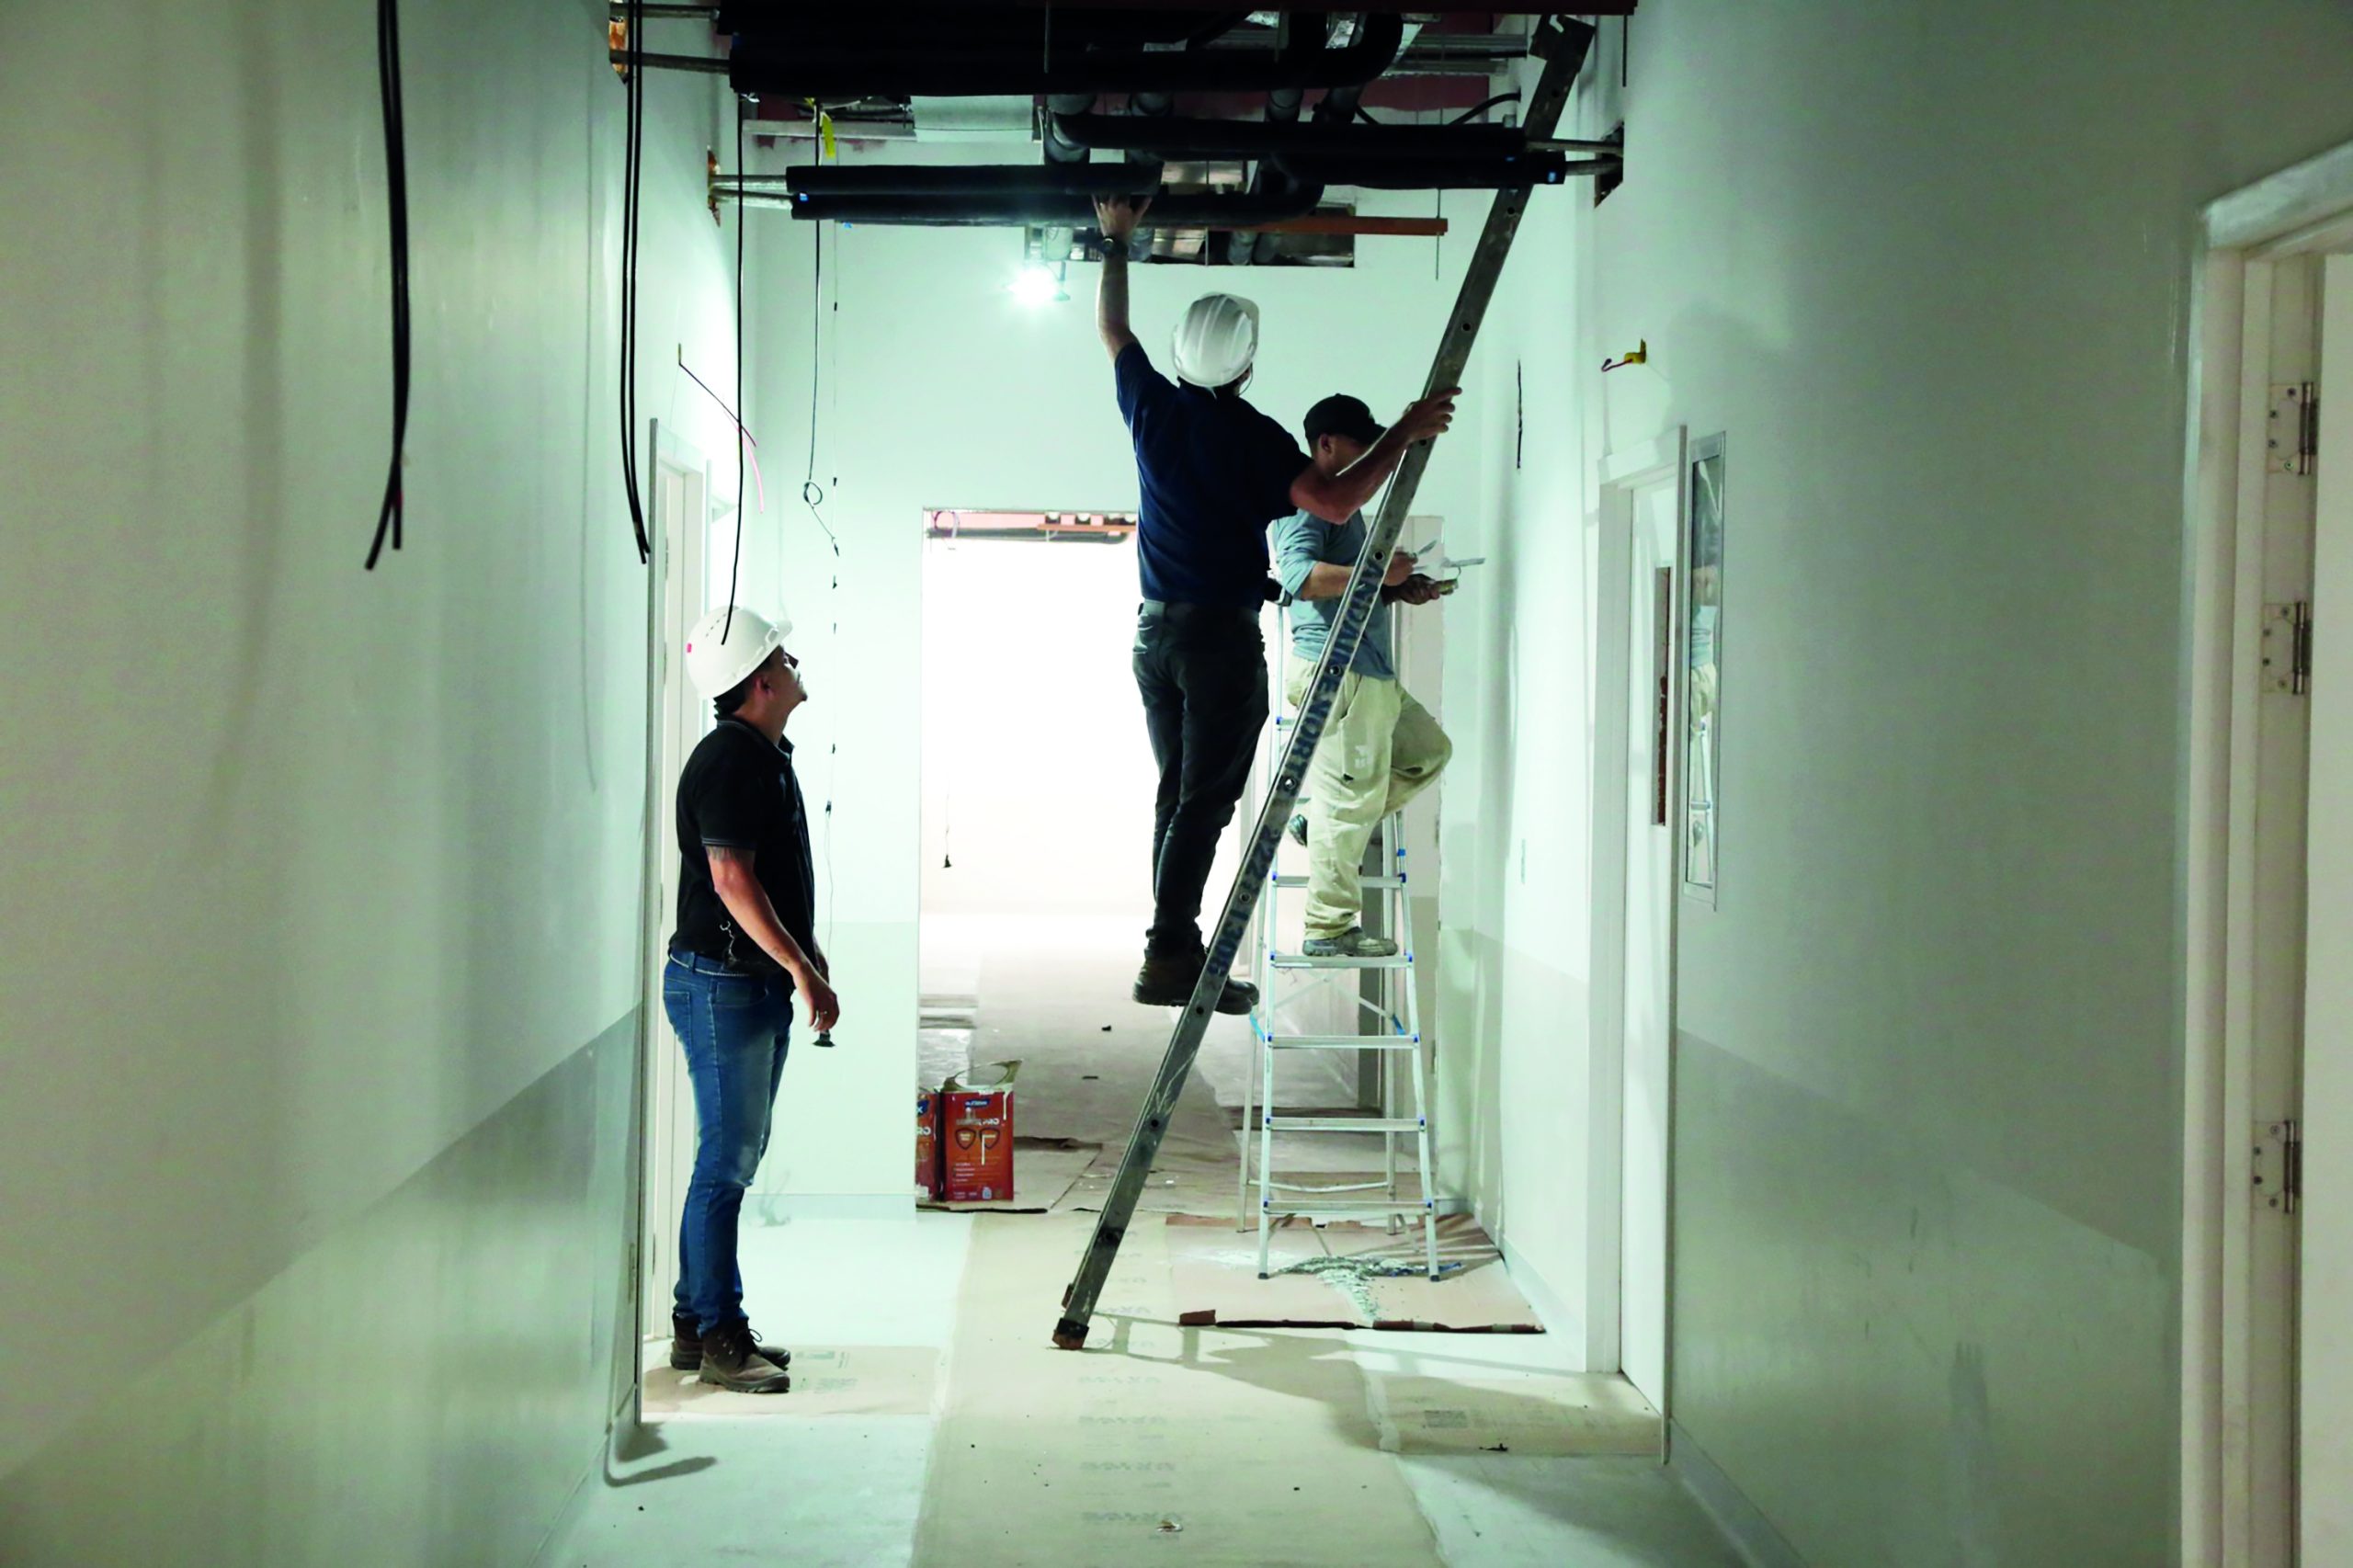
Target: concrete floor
(803, 1489)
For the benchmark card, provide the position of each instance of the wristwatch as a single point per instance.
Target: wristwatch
(1107, 247)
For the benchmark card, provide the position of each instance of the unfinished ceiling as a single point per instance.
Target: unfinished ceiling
(1250, 129)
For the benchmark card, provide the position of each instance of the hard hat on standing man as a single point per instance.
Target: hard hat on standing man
(726, 645)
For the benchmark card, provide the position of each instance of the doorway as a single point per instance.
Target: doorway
(1636, 827)
(691, 529)
(2269, 863)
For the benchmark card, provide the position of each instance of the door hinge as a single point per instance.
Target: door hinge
(2294, 430)
(2288, 647)
(2279, 1165)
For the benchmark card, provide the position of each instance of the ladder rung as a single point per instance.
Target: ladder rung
(1396, 881)
(1328, 1188)
(1340, 1042)
(1301, 960)
(1345, 1123)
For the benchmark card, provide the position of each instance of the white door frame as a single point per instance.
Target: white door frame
(1622, 473)
(2234, 1511)
(677, 591)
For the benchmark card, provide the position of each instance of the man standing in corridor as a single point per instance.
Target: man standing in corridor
(1212, 472)
(1380, 748)
(746, 941)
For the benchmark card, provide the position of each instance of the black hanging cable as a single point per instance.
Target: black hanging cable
(742, 463)
(813, 494)
(632, 168)
(388, 78)
(1475, 110)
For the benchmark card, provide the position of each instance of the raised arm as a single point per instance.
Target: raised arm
(1118, 216)
(1336, 497)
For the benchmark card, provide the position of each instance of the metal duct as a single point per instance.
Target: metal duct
(775, 67)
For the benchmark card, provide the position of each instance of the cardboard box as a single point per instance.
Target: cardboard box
(927, 1143)
(976, 1134)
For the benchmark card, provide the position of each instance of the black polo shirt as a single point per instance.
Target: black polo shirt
(739, 792)
(1212, 472)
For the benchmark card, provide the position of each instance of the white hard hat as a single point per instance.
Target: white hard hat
(723, 649)
(1216, 340)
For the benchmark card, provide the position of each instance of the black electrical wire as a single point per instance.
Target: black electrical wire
(388, 77)
(632, 168)
(1475, 110)
(742, 461)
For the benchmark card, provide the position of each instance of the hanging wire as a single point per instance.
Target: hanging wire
(1475, 110)
(743, 457)
(389, 515)
(633, 171)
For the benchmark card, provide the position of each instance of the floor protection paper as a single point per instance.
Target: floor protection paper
(1156, 1443)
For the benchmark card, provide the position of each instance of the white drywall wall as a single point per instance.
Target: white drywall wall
(937, 388)
(311, 872)
(1929, 268)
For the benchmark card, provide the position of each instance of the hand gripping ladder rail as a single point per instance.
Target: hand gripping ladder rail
(1562, 43)
(1389, 994)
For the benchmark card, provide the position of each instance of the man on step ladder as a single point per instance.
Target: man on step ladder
(1380, 748)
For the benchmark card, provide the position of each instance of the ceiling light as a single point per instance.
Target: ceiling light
(1038, 284)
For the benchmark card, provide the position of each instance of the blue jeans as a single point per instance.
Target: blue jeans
(735, 1028)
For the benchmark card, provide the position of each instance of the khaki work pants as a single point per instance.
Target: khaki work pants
(1380, 749)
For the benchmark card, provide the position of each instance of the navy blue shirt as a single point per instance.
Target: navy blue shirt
(1214, 471)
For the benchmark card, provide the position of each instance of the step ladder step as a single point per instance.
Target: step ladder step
(1301, 960)
(1341, 1042)
(1396, 881)
(1352, 1206)
(1345, 1123)
(1333, 1188)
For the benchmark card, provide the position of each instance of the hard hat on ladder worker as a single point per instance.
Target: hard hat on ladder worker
(730, 643)
(1216, 340)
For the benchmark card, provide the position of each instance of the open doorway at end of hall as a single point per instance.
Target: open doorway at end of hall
(1038, 787)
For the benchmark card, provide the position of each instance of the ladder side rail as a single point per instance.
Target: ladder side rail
(1564, 42)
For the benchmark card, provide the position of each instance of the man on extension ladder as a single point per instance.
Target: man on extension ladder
(1380, 748)
(1212, 472)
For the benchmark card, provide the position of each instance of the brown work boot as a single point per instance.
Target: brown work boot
(1167, 980)
(732, 1361)
(686, 1345)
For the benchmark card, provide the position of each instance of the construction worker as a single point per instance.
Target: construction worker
(1212, 472)
(1380, 747)
(745, 943)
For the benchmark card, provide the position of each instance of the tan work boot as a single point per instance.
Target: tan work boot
(732, 1361)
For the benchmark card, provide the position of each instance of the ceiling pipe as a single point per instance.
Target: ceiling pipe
(1444, 174)
(777, 67)
(1015, 208)
(1258, 138)
(1282, 109)
(961, 180)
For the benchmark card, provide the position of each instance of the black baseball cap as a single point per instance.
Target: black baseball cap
(1341, 414)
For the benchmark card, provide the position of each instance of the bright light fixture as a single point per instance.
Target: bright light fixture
(1038, 284)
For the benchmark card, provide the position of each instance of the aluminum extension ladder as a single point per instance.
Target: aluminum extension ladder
(1561, 42)
(1395, 1008)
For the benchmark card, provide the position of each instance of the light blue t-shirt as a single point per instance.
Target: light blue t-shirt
(1300, 544)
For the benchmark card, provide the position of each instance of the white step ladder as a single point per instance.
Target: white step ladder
(1395, 1032)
